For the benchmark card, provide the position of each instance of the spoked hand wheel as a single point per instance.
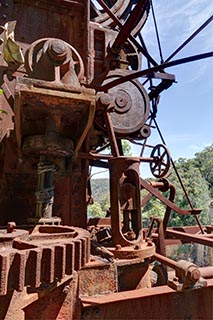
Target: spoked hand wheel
(161, 161)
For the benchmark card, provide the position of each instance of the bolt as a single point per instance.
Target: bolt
(130, 235)
(118, 247)
(137, 247)
(66, 289)
(57, 50)
(193, 274)
(11, 227)
(149, 243)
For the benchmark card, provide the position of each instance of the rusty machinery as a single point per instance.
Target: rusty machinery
(69, 75)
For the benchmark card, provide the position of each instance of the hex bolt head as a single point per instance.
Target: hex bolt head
(57, 50)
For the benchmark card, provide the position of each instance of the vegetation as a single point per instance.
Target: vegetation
(197, 190)
(1, 110)
(204, 162)
(197, 177)
(100, 192)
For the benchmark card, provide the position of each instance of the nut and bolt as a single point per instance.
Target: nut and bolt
(11, 227)
(118, 247)
(57, 50)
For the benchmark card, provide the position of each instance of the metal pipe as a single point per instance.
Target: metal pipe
(190, 237)
(206, 272)
(115, 150)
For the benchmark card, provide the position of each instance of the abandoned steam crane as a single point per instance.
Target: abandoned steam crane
(69, 78)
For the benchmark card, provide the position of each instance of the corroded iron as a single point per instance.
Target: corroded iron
(69, 78)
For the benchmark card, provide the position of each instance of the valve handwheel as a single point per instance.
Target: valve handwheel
(161, 164)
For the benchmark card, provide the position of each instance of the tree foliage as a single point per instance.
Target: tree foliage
(126, 146)
(95, 210)
(100, 192)
(153, 208)
(100, 187)
(197, 190)
(204, 162)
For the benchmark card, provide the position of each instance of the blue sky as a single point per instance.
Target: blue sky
(185, 112)
(186, 109)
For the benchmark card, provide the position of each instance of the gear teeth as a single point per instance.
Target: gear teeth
(84, 253)
(16, 276)
(78, 255)
(59, 262)
(32, 264)
(47, 265)
(33, 268)
(4, 271)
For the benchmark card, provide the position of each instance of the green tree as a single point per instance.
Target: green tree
(197, 190)
(105, 201)
(204, 162)
(100, 187)
(95, 210)
(153, 208)
(126, 146)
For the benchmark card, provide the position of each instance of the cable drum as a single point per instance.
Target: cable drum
(120, 8)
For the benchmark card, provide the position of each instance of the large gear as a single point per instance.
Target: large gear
(45, 256)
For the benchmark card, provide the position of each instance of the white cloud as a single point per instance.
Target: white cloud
(177, 20)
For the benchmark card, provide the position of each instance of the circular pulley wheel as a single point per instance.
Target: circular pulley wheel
(161, 165)
(120, 8)
(130, 105)
(35, 51)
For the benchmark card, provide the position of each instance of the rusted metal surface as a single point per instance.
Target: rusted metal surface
(125, 194)
(161, 303)
(187, 274)
(46, 255)
(202, 239)
(70, 91)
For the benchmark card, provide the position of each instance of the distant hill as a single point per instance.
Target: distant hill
(99, 188)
